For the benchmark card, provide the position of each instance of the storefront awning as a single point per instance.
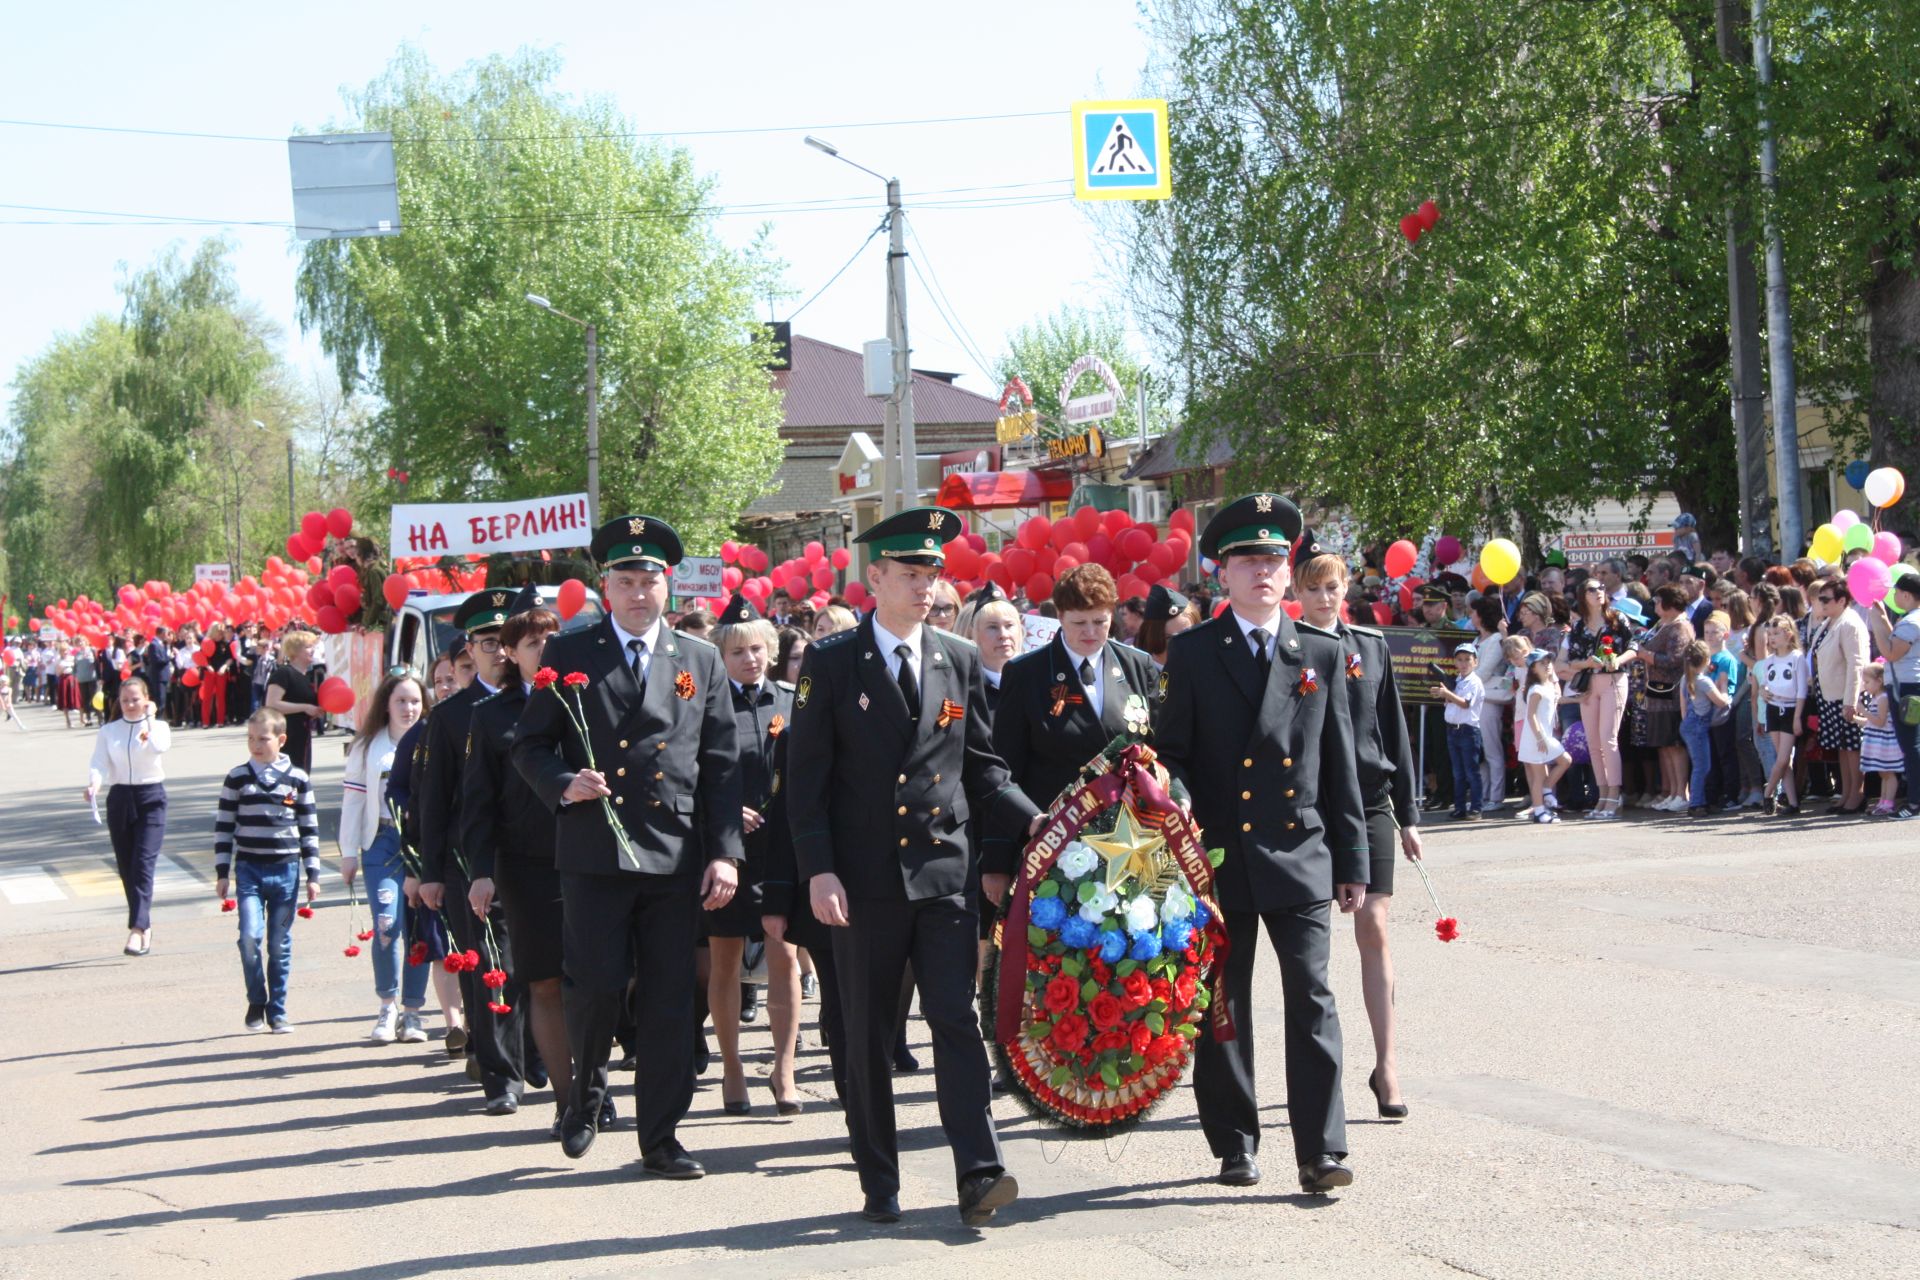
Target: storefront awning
(982, 490)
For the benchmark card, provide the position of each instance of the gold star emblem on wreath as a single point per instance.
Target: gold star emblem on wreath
(636, 527)
(1132, 849)
(1263, 503)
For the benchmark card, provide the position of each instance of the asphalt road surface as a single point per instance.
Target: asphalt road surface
(1662, 1048)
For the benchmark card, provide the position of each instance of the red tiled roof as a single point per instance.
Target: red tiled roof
(826, 387)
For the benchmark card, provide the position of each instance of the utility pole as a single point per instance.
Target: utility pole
(293, 521)
(593, 425)
(1786, 424)
(1743, 317)
(902, 356)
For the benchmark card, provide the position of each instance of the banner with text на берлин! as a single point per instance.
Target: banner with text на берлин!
(486, 528)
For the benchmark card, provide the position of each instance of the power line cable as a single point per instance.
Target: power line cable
(878, 228)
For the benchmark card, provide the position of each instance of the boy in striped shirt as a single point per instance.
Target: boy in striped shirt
(269, 826)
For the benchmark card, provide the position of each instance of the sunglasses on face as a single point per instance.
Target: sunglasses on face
(1824, 599)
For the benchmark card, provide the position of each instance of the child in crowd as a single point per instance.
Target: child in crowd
(1780, 681)
(1700, 698)
(1544, 755)
(1462, 713)
(1879, 750)
(269, 826)
(1723, 782)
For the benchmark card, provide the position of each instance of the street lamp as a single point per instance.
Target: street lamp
(593, 404)
(902, 464)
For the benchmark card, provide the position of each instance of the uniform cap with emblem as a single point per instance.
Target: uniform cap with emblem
(740, 610)
(1165, 604)
(484, 610)
(526, 602)
(1435, 593)
(1258, 524)
(918, 535)
(1307, 548)
(989, 593)
(644, 542)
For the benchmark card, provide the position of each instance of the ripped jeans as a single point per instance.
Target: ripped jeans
(384, 870)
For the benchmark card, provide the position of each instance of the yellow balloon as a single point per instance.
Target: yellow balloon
(1827, 545)
(1500, 561)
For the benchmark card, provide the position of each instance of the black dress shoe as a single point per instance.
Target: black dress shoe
(702, 1055)
(1239, 1171)
(749, 1002)
(503, 1105)
(904, 1063)
(671, 1160)
(608, 1116)
(981, 1194)
(1324, 1175)
(1388, 1110)
(881, 1209)
(628, 1063)
(536, 1076)
(575, 1138)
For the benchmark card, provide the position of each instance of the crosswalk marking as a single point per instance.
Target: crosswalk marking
(25, 885)
(33, 885)
(171, 876)
(92, 881)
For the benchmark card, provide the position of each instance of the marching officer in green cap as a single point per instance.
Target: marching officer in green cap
(890, 754)
(645, 835)
(1256, 722)
(494, 1041)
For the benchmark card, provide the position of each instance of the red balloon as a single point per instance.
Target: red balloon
(1382, 613)
(1164, 558)
(1100, 549)
(334, 695)
(823, 577)
(1033, 532)
(314, 526)
(1447, 550)
(760, 559)
(1428, 213)
(190, 677)
(1039, 587)
(842, 557)
(1292, 607)
(1066, 562)
(1086, 522)
(347, 599)
(297, 546)
(339, 522)
(1062, 533)
(856, 594)
(342, 574)
(330, 620)
(1116, 520)
(1019, 564)
(731, 578)
(1130, 586)
(1181, 520)
(313, 564)
(1000, 575)
(962, 563)
(1135, 544)
(815, 550)
(1399, 558)
(320, 595)
(1411, 228)
(395, 589)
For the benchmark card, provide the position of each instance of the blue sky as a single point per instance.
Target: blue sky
(710, 65)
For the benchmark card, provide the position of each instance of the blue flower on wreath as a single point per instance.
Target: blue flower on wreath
(1201, 915)
(1080, 933)
(1113, 946)
(1145, 946)
(1175, 935)
(1047, 913)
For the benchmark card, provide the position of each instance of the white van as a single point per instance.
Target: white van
(422, 628)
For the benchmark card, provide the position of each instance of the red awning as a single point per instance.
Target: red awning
(980, 490)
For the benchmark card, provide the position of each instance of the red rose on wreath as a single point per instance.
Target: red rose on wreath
(1112, 1038)
(1184, 987)
(1162, 1048)
(1138, 989)
(1063, 995)
(1070, 1033)
(1098, 968)
(1086, 1057)
(1036, 963)
(1141, 1037)
(1105, 1009)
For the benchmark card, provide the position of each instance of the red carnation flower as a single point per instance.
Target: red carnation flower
(1162, 989)
(544, 678)
(574, 680)
(494, 1007)
(1446, 928)
(365, 935)
(469, 960)
(417, 953)
(494, 978)
(305, 913)
(1070, 1033)
(1192, 953)
(1105, 1009)
(1086, 1057)
(1137, 989)
(351, 951)
(228, 904)
(1111, 1038)
(1063, 995)
(1141, 1037)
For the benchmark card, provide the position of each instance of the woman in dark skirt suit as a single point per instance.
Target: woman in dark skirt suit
(126, 761)
(1383, 758)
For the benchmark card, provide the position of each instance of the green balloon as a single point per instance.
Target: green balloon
(1858, 537)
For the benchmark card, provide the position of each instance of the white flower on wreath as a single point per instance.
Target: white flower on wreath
(1095, 910)
(1076, 860)
(1178, 904)
(1140, 914)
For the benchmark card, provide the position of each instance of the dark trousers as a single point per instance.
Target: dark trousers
(1724, 783)
(1463, 752)
(833, 1022)
(137, 822)
(613, 924)
(495, 1040)
(1223, 1077)
(941, 938)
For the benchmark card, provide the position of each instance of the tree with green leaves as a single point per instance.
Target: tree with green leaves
(1042, 351)
(508, 188)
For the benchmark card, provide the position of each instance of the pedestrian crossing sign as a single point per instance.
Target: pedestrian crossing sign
(1120, 150)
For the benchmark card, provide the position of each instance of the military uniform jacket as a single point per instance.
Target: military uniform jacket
(770, 864)
(436, 782)
(1270, 767)
(761, 731)
(1382, 748)
(500, 816)
(669, 757)
(1045, 744)
(879, 800)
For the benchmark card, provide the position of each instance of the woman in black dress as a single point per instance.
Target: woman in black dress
(291, 694)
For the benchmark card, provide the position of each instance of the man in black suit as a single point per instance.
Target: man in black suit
(643, 838)
(890, 752)
(1256, 723)
(1061, 705)
(494, 1041)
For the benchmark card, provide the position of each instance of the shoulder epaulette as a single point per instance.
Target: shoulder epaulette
(1375, 632)
(837, 639)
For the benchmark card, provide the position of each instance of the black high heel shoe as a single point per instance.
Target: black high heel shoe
(784, 1107)
(1388, 1110)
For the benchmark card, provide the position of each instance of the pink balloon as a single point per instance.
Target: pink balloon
(842, 557)
(1447, 550)
(815, 550)
(729, 552)
(1886, 547)
(1869, 580)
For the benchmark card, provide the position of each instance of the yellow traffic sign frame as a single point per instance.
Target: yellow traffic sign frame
(1083, 188)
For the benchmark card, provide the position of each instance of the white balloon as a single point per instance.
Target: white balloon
(1844, 520)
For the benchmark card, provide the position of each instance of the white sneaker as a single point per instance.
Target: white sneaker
(1673, 804)
(411, 1032)
(386, 1026)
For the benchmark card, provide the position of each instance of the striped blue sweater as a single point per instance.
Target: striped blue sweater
(267, 814)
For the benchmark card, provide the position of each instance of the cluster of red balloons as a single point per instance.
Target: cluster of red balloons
(315, 528)
(396, 585)
(1135, 553)
(813, 575)
(1420, 221)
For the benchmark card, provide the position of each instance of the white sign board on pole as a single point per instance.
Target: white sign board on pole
(698, 578)
(483, 528)
(1098, 407)
(221, 573)
(1040, 630)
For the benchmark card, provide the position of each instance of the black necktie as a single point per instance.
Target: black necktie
(1086, 672)
(639, 648)
(1258, 639)
(909, 687)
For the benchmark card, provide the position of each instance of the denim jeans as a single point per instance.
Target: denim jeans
(1463, 751)
(392, 975)
(1698, 735)
(1908, 736)
(268, 893)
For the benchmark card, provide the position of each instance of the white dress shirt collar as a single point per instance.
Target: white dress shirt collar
(626, 637)
(1271, 627)
(888, 642)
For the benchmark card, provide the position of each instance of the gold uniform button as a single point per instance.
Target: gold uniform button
(1247, 763)
(654, 803)
(1290, 826)
(623, 742)
(936, 778)
(659, 777)
(936, 813)
(621, 772)
(1287, 763)
(1246, 826)
(903, 811)
(661, 746)
(619, 799)
(903, 779)
(903, 842)
(1246, 795)
(1289, 793)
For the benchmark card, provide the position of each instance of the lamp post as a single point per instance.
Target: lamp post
(593, 404)
(901, 474)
